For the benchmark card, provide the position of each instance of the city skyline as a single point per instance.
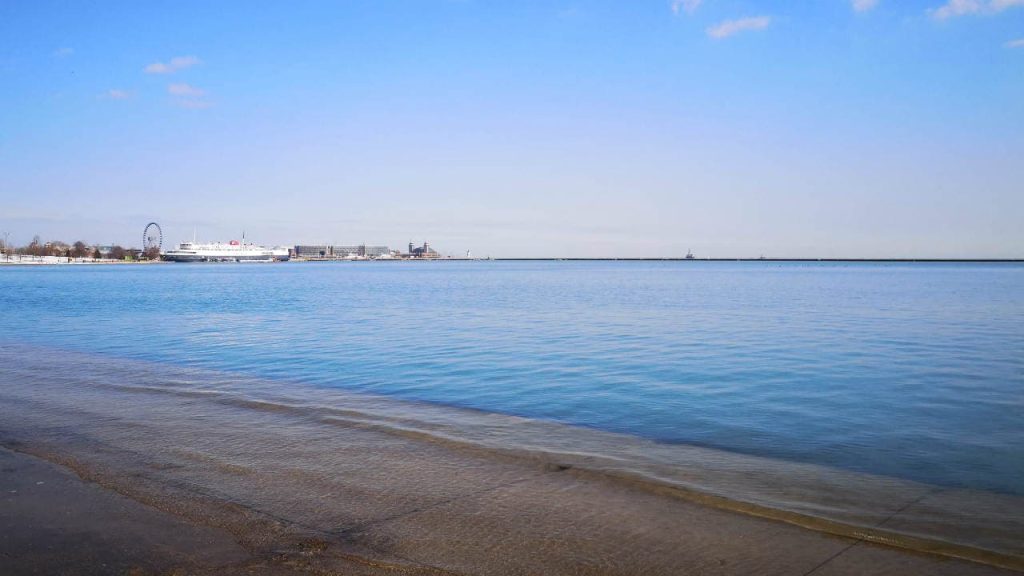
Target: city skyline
(565, 129)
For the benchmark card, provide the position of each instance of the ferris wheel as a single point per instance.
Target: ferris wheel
(152, 237)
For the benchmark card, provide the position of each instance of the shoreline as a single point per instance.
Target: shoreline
(106, 527)
(175, 432)
(79, 262)
(638, 259)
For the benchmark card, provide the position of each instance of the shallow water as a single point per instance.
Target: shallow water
(914, 371)
(347, 463)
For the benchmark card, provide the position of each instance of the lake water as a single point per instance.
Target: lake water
(911, 371)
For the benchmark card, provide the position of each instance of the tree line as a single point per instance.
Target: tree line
(77, 250)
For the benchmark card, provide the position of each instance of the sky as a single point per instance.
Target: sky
(825, 128)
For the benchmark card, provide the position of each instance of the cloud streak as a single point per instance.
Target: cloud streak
(63, 52)
(172, 66)
(1019, 43)
(955, 8)
(863, 5)
(117, 94)
(688, 6)
(1000, 5)
(185, 90)
(731, 27)
(188, 96)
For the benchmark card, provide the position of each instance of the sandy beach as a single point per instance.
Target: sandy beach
(55, 521)
(100, 478)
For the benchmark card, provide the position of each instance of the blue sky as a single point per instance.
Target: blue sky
(555, 128)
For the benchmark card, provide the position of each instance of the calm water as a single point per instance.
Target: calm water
(908, 370)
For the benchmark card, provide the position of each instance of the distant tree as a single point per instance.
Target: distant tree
(57, 248)
(79, 249)
(35, 247)
(96, 254)
(117, 253)
(152, 253)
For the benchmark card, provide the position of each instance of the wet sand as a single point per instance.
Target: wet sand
(160, 483)
(54, 522)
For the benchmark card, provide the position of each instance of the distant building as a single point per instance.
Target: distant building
(345, 251)
(375, 251)
(339, 251)
(424, 251)
(314, 251)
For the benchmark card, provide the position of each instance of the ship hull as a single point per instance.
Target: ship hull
(216, 258)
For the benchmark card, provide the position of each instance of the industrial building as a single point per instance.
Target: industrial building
(319, 251)
(361, 251)
(335, 252)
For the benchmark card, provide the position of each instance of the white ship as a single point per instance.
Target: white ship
(233, 251)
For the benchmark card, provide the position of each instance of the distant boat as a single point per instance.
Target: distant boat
(689, 255)
(233, 251)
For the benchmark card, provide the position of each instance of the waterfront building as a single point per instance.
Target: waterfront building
(424, 251)
(346, 251)
(376, 251)
(341, 251)
(313, 251)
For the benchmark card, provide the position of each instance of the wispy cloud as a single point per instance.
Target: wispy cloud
(688, 6)
(954, 8)
(188, 96)
(63, 52)
(1019, 43)
(864, 5)
(175, 64)
(117, 94)
(730, 27)
(185, 90)
(999, 5)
